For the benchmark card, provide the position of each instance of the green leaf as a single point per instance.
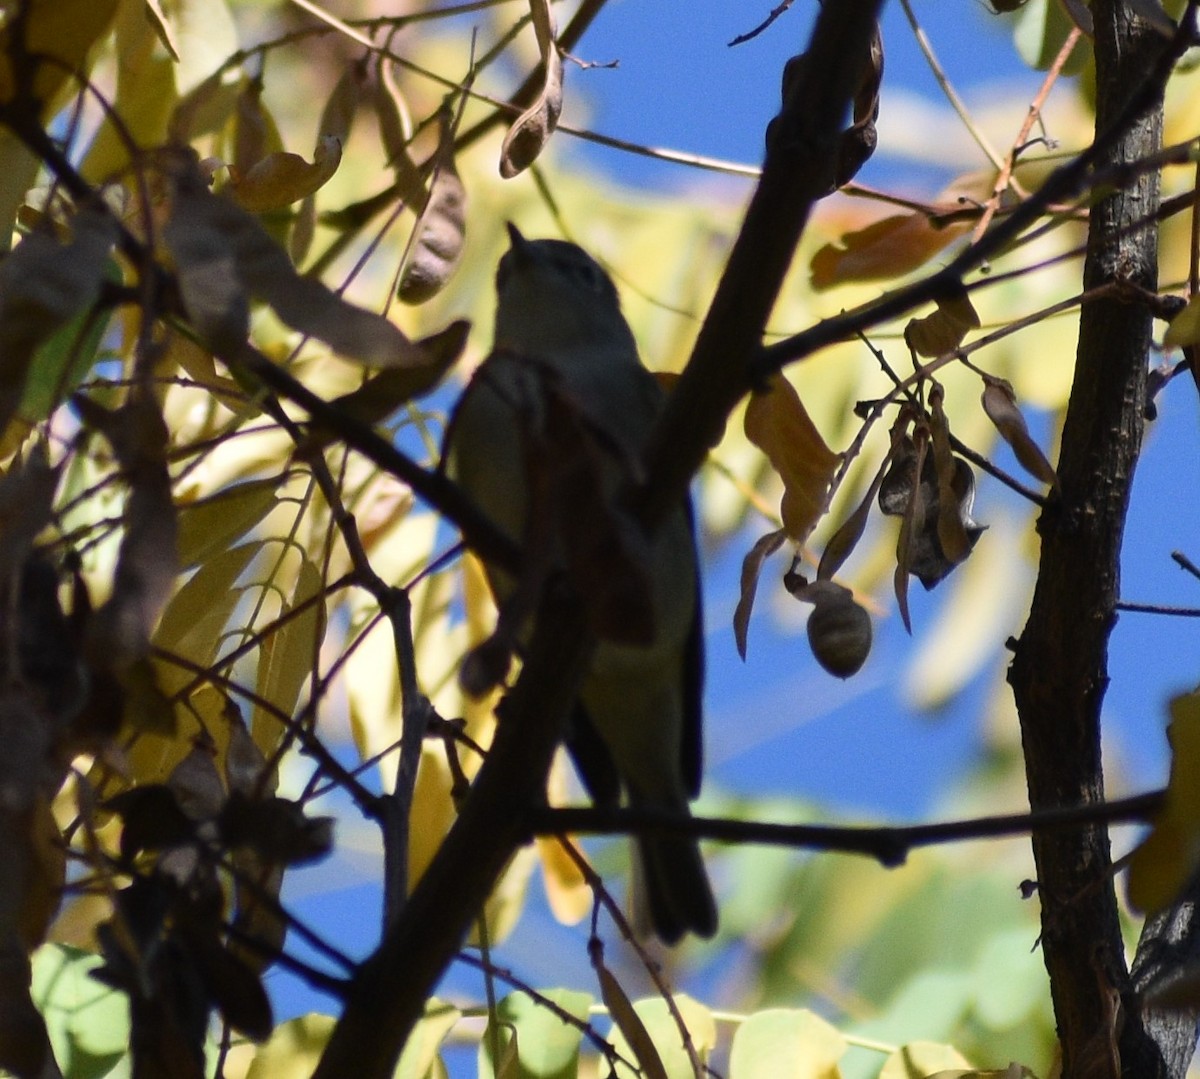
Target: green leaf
(88, 1022)
(785, 1043)
(547, 1046)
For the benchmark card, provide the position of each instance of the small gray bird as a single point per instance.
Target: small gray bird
(545, 440)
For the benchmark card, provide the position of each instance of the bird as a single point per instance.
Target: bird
(546, 440)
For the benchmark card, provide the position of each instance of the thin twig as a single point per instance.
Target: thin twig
(1034, 113)
(889, 845)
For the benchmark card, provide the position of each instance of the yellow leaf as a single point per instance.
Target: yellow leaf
(146, 92)
(60, 33)
(778, 424)
(421, 1050)
(289, 653)
(1184, 328)
(281, 178)
(293, 1049)
(567, 889)
(1169, 857)
(211, 524)
(944, 329)
(924, 1058)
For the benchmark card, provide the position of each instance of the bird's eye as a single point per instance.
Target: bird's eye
(588, 275)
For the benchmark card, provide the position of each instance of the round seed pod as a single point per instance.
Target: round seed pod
(839, 633)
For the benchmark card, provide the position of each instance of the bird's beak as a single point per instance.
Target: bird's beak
(517, 243)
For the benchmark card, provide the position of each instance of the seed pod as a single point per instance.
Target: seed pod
(839, 633)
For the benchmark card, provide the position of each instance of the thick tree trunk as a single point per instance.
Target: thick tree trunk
(1059, 673)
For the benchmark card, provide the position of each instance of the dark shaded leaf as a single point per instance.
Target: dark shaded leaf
(223, 256)
(751, 568)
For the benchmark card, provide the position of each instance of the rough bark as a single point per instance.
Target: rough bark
(1059, 673)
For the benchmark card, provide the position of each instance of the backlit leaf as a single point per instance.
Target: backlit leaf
(211, 524)
(786, 1044)
(1170, 855)
(884, 249)
(547, 1046)
(629, 1023)
(1184, 328)
(281, 178)
(290, 651)
(60, 33)
(778, 424)
(924, 1059)
(943, 330)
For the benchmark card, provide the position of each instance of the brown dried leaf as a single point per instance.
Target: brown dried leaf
(882, 250)
(751, 568)
(911, 525)
(1000, 404)
(842, 543)
(778, 424)
(532, 129)
(951, 529)
(944, 329)
(222, 255)
(147, 562)
(927, 561)
(281, 178)
(44, 284)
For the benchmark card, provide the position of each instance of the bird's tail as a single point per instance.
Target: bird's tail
(672, 888)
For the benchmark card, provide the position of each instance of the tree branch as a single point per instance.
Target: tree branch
(1059, 672)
